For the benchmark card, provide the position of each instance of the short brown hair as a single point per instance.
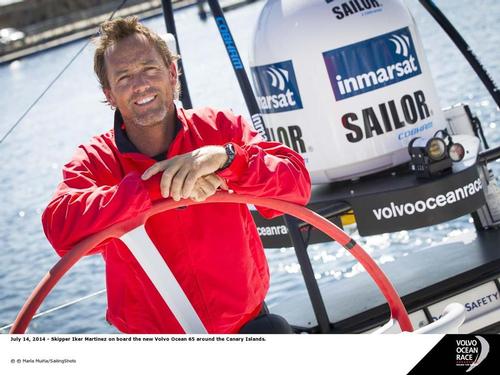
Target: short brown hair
(111, 32)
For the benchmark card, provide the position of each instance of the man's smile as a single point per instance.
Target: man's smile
(145, 100)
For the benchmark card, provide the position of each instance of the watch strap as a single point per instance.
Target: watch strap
(231, 153)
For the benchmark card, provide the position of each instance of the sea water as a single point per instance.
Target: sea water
(72, 111)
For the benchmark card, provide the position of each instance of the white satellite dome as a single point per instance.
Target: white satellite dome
(345, 83)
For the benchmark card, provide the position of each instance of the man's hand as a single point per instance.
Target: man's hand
(181, 173)
(207, 186)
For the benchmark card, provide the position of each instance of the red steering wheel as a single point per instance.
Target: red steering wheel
(398, 311)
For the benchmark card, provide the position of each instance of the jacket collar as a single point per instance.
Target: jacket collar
(123, 142)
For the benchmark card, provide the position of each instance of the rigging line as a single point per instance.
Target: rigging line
(67, 304)
(35, 102)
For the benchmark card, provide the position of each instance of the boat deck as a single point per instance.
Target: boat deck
(467, 272)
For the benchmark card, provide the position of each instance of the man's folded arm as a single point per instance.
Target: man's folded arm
(81, 206)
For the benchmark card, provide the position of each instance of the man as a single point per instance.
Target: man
(157, 151)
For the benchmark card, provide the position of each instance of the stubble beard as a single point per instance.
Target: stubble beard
(153, 117)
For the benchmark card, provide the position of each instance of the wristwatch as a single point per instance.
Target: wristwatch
(231, 153)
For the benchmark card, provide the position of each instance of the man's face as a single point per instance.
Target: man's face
(140, 85)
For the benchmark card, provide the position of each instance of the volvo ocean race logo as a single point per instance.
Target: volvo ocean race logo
(419, 205)
(276, 86)
(471, 352)
(371, 64)
(395, 210)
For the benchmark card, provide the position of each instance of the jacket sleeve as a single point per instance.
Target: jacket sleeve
(263, 168)
(83, 206)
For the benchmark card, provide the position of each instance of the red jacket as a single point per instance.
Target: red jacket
(213, 250)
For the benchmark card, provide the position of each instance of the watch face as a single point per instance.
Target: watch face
(230, 152)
